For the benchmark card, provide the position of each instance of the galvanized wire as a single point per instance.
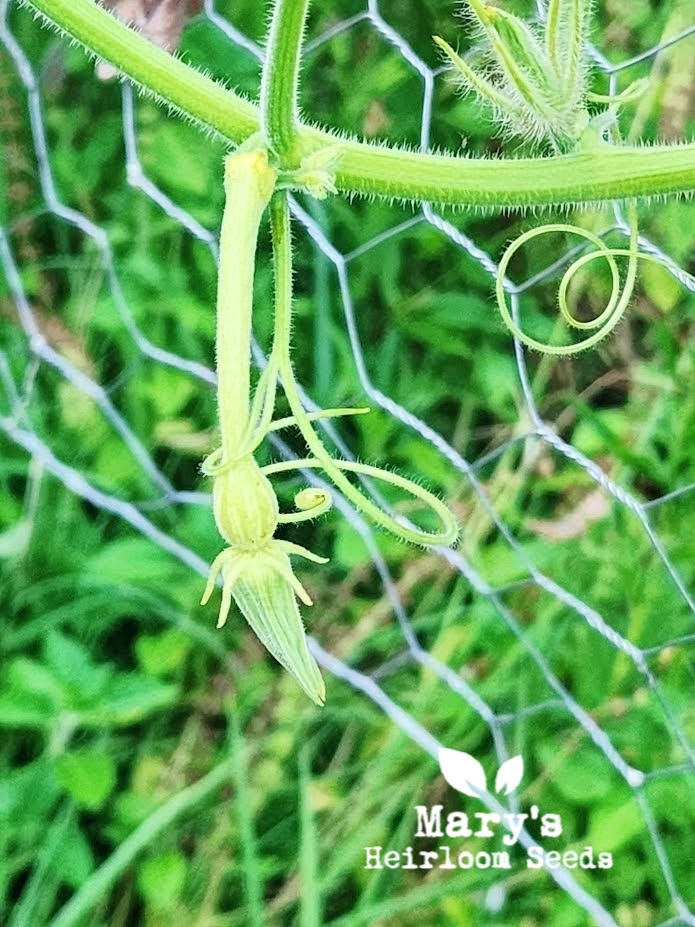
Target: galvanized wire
(532, 432)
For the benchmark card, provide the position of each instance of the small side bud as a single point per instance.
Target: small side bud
(316, 173)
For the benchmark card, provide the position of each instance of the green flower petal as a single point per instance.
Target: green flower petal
(266, 599)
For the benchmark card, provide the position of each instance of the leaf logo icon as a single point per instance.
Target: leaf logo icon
(463, 772)
(509, 775)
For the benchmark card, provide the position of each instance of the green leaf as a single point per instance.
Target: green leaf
(32, 696)
(71, 664)
(129, 699)
(498, 381)
(130, 809)
(583, 777)
(349, 550)
(75, 861)
(30, 787)
(37, 684)
(612, 828)
(162, 654)
(89, 776)
(161, 880)
(133, 560)
(661, 286)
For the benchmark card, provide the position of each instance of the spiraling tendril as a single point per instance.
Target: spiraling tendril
(621, 289)
(334, 469)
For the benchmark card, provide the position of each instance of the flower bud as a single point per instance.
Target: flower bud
(265, 596)
(245, 505)
(536, 88)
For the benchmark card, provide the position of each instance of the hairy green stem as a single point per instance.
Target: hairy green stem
(248, 183)
(280, 79)
(603, 174)
(168, 78)
(553, 37)
(101, 880)
(282, 260)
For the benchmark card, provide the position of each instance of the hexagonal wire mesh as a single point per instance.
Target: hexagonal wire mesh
(531, 435)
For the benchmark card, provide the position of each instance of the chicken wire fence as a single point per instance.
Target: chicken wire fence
(532, 436)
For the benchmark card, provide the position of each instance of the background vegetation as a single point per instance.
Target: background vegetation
(116, 694)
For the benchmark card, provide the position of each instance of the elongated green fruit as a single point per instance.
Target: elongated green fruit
(269, 605)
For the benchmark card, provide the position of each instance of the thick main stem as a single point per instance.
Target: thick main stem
(248, 185)
(169, 79)
(600, 175)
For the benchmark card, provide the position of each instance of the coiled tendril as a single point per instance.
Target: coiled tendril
(621, 291)
(280, 365)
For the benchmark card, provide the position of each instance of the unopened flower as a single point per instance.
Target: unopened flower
(534, 79)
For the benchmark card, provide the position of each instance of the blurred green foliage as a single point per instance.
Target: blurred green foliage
(115, 692)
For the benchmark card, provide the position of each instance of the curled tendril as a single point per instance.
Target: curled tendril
(635, 91)
(327, 463)
(310, 503)
(621, 291)
(322, 459)
(213, 465)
